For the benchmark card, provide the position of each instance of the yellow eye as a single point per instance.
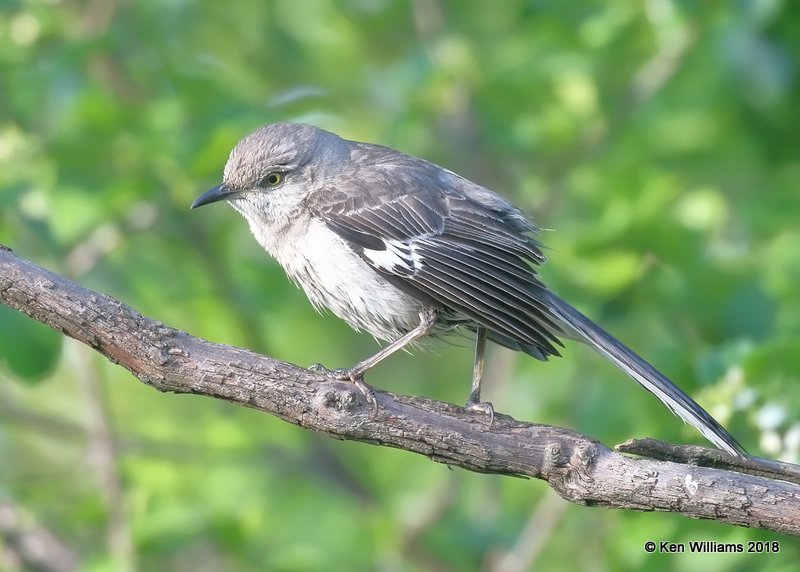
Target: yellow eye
(272, 179)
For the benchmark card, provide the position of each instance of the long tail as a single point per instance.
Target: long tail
(652, 380)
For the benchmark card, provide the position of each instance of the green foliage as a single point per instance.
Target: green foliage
(30, 349)
(658, 139)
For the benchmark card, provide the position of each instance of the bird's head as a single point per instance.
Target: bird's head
(270, 170)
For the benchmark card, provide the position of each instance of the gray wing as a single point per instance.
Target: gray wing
(472, 259)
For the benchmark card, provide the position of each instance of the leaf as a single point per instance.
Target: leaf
(28, 348)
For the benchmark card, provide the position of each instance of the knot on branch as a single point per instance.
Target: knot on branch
(339, 399)
(567, 467)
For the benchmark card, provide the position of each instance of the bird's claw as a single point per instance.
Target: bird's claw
(319, 368)
(367, 392)
(475, 404)
(356, 377)
(346, 375)
(341, 374)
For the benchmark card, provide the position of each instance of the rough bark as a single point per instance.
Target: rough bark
(577, 467)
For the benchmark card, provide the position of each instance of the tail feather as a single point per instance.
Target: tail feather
(651, 379)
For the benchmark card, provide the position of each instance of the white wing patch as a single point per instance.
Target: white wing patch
(397, 258)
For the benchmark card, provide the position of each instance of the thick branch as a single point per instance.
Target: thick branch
(578, 468)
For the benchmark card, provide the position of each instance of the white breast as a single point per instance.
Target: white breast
(335, 277)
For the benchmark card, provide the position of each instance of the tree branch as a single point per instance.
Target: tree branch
(578, 468)
(25, 545)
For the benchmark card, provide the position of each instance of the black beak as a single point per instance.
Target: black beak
(218, 193)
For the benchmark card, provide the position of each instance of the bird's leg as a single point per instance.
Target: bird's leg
(474, 402)
(427, 320)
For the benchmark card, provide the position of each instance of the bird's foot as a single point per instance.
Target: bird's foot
(474, 403)
(352, 375)
(340, 374)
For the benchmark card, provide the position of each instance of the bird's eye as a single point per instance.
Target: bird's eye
(272, 179)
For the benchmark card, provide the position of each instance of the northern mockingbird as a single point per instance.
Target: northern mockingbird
(402, 248)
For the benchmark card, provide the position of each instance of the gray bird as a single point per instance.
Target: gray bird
(402, 248)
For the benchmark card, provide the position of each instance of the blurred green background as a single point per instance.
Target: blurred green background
(657, 139)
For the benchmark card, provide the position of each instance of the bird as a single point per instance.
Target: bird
(402, 248)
